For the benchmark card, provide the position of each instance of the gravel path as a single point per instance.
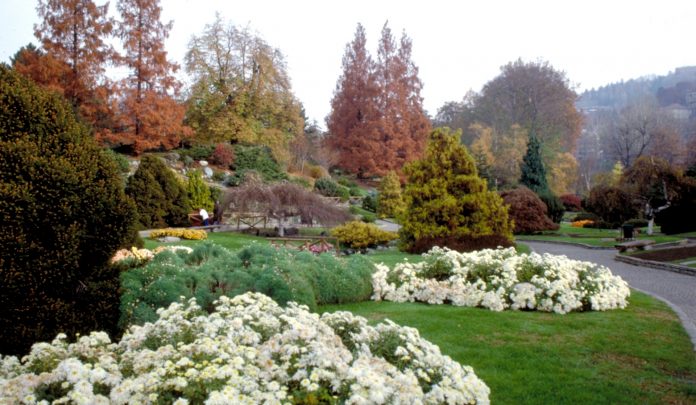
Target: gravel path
(677, 290)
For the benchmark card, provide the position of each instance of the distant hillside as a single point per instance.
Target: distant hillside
(678, 87)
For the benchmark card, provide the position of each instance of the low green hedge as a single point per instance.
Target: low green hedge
(211, 271)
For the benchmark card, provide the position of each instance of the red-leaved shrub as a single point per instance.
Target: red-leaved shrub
(223, 155)
(527, 210)
(571, 202)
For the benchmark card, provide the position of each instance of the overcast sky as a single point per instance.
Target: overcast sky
(458, 45)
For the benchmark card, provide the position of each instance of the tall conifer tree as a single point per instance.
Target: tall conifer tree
(533, 171)
(151, 117)
(74, 56)
(351, 123)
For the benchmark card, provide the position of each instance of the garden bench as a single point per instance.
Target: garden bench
(634, 244)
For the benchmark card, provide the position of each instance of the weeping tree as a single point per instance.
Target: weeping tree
(282, 201)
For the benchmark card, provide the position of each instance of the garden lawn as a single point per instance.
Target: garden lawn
(230, 240)
(638, 355)
(592, 236)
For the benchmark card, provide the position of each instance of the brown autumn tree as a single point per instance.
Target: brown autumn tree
(352, 122)
(150, 117)
(377, 122)
(537, 97)
(404, 126)
(74, 56)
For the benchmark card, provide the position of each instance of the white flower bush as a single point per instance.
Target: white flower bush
(500, 279)
(249, 351)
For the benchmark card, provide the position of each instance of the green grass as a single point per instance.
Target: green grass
(592, 236)
(230, 240)
(638, 355)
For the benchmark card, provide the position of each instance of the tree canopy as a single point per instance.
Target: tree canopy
(241, 90)
(377, 122)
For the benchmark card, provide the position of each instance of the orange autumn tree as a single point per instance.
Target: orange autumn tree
(73, 57)
(377, 122)
(353, 120)
(150, 117)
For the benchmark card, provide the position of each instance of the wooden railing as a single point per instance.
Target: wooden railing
(312, 244)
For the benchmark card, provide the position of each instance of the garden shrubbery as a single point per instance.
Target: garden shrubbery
(360, 235)
(554, 206)
(63, 213)
(259, 159)
(211, 271)
(223, 155)
(329, 188)
(448, 204)
(571, 202)
(613, 205)
(161, 199)
(527, 211)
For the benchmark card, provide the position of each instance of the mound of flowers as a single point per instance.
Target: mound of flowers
(192, 234)
(500, 279)
(249, 351)
(139, 256)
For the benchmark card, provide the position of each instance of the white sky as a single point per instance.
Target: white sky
(458, 45)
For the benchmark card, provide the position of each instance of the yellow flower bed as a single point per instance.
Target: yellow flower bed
(193, 234)
(581, 223)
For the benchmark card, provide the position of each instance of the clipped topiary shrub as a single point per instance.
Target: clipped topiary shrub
(259, 159)
(223, 155)
(211, 271)
(360, 235)
(160, 198)
(571, 202)
(63, 214)
(183, 233)
(527, 211)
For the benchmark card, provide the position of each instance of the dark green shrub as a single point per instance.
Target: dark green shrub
(637, 222)
(160, 198)
(369, 202)
(260, 159)
(582, 216)
(219, 176)
(679, 217)
(369, 218)
(329, 188)
(211, 271)
(554, 206)
(64, 214)
(120, 160)
(198, 152)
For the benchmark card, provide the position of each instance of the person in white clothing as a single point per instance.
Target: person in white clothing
(204, 216)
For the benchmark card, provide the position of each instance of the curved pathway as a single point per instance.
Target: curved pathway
(677, 290)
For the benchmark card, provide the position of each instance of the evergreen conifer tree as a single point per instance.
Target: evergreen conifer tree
(390, 201)
(448, 204)
(198, 192)
(64, 215)
(533, 171)
(160, 198)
